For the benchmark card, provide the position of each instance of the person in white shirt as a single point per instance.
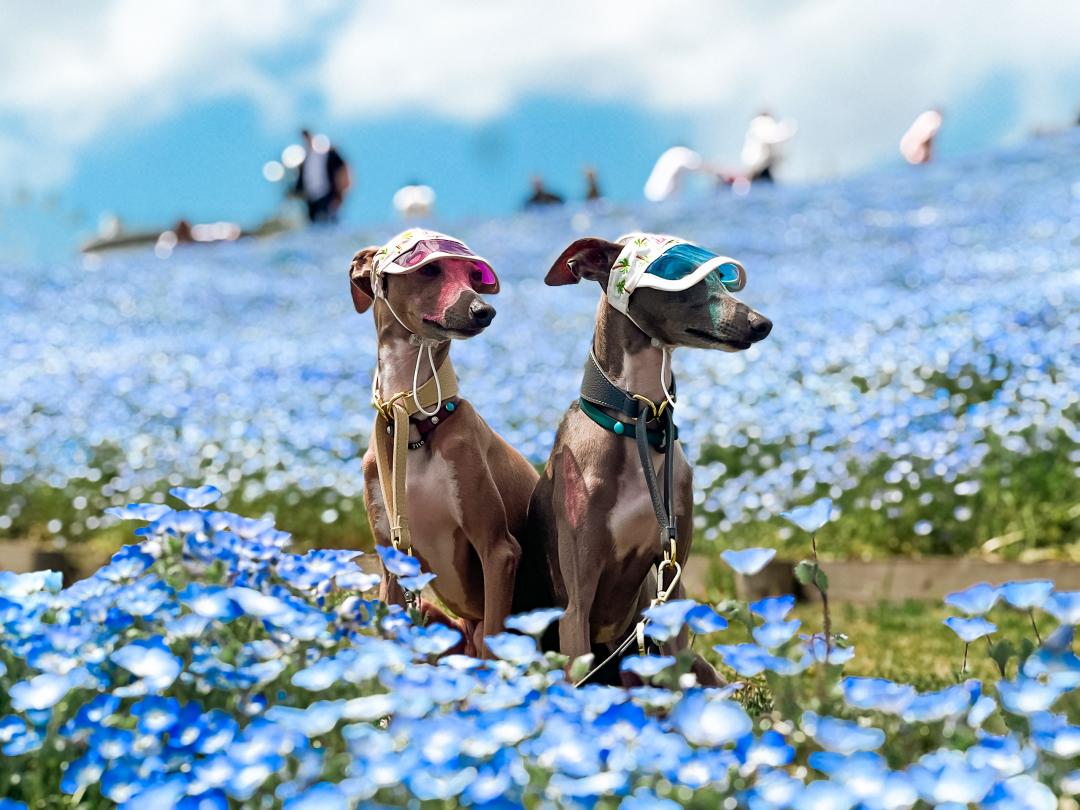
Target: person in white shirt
(414, 200)
(761, 150)
(323, 178)
(667, 174)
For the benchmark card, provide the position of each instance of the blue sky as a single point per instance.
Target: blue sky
(159, 110)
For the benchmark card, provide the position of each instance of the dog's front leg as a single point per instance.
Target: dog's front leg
(484, 519)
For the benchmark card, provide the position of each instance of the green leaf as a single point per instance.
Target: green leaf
(581, 667)
(1002, 652)
(821, 580)
(804, 572)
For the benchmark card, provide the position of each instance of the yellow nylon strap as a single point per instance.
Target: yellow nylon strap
(391, 454)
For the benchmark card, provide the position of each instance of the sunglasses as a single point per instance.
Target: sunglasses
(683, 265)
(431, 249)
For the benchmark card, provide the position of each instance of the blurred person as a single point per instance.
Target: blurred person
(323, 178)
(671, 167)
(917, 144)
(761, 151)
(592, 187)
(541, 196)
(414, 200)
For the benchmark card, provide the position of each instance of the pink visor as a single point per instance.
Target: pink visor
(411, 250)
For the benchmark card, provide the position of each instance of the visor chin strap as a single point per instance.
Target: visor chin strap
(424, 346)
(665, 366)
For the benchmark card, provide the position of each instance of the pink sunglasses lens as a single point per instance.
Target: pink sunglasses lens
(487, 275)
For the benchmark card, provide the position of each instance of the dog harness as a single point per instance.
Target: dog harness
(391, 437)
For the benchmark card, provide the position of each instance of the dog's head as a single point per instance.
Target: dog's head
(704, 315)
(438, 300)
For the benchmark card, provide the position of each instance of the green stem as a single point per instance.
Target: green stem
(963, 666)
(1034, 626)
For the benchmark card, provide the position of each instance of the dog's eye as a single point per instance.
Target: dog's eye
(430, 270)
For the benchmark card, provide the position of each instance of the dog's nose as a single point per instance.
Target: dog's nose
(482, 313)
(760, 326)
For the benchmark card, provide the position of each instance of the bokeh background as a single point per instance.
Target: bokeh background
(923, 368)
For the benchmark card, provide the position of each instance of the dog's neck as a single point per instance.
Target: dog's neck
(397, 353)
(627, 355)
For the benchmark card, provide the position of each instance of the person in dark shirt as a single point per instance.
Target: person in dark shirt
(541, 196)
(323, 178)
(592, 187)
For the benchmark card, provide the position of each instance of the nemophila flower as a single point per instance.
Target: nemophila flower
(139, 511)
(397, 562)
(773, 634)
(322, 796)
(1064, 606)
(946, 777)
(773, 608)
(435, 639)
(811, 518)
(702, 619)
(46, 690)
(315, 720)
(1055, 663)
(128, 563)
(838, 655)
(970, 630)
(930, 707)
(416, 583)
(770, 749)
(748, 561)
(705, 720)
(151, 661)
(646, 666)
(974, 601)
(82, 772)
(980, 710)
(534, 622)
(822, 795)
(667, 619)
(1020, 791)
(841, 736)
(1027, 695)
(516, 649)
(196, 497)
(357, 580)
(1027, 594)
(877, 694)
(645, 799)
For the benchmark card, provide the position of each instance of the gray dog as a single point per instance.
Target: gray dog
(614, 508)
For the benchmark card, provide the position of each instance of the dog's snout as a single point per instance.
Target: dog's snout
(760, 326)
(481, 313)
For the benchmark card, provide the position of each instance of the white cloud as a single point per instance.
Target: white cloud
(853, 73)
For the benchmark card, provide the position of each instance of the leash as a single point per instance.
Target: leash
(436, 400)
(598, 391)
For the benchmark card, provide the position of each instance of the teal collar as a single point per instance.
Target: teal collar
(658, 437)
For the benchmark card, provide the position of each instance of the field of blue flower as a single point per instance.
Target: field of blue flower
(208, 667)
(922, 371)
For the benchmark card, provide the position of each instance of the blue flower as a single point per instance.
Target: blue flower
(1027, 695)
(156, 714)
(646, 666)
(773, 634)
(748, 561)
(974, 601)
(196, 497)
(139, 511)
(417, 583)
(46, 690)
(970, 630)
(811, 518)
(1064, 606)
(931, 707)
(773, 608)
(841, 736)
(877, 694)
(534, 622)
(516, 649)
(666, 620)
(151, 661)
(702, 619)
(1027, 594)
(397, 562)
(705, 720)
(321, 796)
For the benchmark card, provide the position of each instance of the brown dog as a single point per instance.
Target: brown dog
(593, 536)
(466, 491)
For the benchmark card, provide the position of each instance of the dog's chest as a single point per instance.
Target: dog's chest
(632, 520)
(434, 502)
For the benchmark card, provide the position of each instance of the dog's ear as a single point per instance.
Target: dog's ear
(360, 279)
(589, 258)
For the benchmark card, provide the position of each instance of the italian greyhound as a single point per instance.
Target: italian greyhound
(452, 492)
(617, 472)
